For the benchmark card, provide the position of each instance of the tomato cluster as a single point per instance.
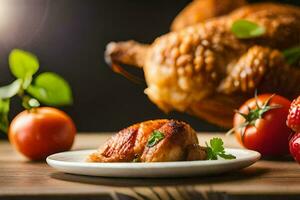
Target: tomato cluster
(293, 121)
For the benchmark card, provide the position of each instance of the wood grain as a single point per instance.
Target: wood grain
(20, 178)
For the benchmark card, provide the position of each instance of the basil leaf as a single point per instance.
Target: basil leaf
(4, 109)
(244, 29)
(51, 89)
(155, 138)
(10, 90)
(22, 63)
(292, 55)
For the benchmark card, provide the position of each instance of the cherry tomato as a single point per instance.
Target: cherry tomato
(265, 127)
(41, 131)
(295, 147)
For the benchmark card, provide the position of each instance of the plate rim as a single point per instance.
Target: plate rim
(255, 156)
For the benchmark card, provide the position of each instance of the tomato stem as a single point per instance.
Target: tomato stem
(231, 131)
(30, 103)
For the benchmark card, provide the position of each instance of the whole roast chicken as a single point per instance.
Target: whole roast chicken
(152, 141)
(207, 71)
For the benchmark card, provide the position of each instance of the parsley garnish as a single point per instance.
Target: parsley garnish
(155, 138)
(216, 149)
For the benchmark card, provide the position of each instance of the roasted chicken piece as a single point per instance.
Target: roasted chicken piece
(207, 71)
(201, 10)
(152, 141)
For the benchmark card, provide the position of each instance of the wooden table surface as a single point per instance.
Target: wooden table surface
(22, 179)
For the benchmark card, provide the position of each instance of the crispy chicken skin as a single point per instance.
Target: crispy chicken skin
(201, 10)
(205, 70)
(179, 143)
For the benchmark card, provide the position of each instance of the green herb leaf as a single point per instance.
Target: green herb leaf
(26, 82)
(227, 156)
(4, 109)
(292, 55)
(4, 106)
(23, 64)
(51, 89)
(217, 144)
(210, 154)
(155, 138)
(10, 90)
(244, 29)
(216, 149)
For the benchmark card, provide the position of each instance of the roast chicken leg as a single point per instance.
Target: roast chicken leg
(205, 70)
(178, 142)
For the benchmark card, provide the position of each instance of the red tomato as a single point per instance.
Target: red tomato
(42, 131)
(295, 147)
(266, 131)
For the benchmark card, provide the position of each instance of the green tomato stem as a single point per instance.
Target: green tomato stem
(30, 103)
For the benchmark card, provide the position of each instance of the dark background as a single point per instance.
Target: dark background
(69, 38)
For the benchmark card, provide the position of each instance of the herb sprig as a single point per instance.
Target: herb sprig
(216, 149)
(47, 88)
(155, 138)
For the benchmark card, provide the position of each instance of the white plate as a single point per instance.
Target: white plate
(73, 162)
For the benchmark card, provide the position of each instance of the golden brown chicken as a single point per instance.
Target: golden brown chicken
(152, 141)
(205, 70)
(201, 10)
